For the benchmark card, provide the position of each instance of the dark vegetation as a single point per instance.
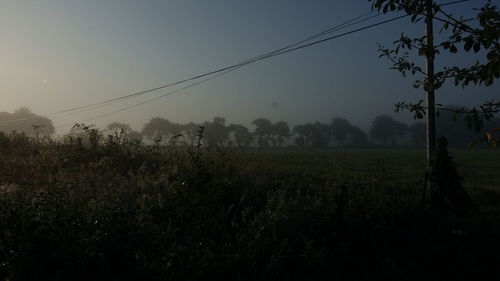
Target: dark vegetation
(384, 131)
(458, 35)
(191, 206)
(94, 207)
(23, 120)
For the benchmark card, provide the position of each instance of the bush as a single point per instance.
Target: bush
(127, 211)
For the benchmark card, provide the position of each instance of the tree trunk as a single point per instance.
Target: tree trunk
(430, 99)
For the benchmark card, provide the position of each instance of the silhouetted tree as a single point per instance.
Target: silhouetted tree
(340, 129)
(315, 135)
(23, 120)
(159, 128)
(216, 132)
(320, 135)
(263, 131)
(242, 136)
(303, 134)
(479, 34)
(280, 131)
(357, 136)
(344, 133)
(385, 128)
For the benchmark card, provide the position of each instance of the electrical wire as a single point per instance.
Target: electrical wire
(93, 106)
(289, 48)
(262, 58)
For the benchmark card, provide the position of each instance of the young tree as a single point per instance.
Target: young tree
(469, 34)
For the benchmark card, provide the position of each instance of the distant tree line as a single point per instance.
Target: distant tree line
(384, 130)
(23, 120)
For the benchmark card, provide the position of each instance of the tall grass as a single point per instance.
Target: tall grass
(110, 209)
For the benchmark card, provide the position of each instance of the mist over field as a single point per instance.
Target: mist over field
(257, 140)
(59, 55)
(383, 131)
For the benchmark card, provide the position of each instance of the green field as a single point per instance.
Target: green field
(112, 210)
(478, 167)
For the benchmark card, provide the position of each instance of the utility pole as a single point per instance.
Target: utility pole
(430, 99)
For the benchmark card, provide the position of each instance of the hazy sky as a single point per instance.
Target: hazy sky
(58, 54)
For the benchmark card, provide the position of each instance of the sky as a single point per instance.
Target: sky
(59, 54)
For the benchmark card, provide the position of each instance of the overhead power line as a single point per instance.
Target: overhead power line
(98, 105)
(248, 61)
(148, 101)
(218, 72)
(453, 2)
(83, 108)
(261, 58)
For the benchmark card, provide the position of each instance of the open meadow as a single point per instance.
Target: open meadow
(250, 140)
(480, 168)
(119, 210)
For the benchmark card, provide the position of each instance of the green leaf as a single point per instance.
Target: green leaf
(477, 47)
(468, 45)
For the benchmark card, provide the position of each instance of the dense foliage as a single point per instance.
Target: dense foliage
(114, 209)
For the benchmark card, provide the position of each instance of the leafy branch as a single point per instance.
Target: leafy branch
(487, 138)
(478, 34)
(475, 117)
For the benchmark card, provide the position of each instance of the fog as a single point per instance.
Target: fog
(249, 140)
(59, 55)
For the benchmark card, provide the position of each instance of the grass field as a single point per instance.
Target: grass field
(112, 210)
(478, 167)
